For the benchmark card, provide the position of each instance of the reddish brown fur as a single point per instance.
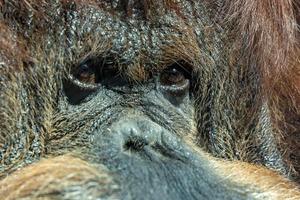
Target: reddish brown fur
(266, 30)
(56, 175)
(63, 172)
(12, 50)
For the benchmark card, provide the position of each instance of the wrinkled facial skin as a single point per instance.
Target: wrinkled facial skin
(129, 99)
(138, 135)
(135, 127)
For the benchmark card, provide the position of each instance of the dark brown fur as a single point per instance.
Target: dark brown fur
(261, 37)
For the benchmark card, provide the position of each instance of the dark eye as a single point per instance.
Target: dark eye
(172, 76)
(95, 71)
(86, 77)
(175, 78)
(85, 73)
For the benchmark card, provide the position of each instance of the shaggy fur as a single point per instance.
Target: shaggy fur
(247, 90)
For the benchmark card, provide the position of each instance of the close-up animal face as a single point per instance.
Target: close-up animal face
(149, 100)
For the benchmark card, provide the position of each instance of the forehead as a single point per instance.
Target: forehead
(135, 30)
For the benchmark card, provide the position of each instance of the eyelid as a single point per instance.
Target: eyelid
(176, 88)
(81, 84)
(105, 71)
(183, 66)
(179, 68)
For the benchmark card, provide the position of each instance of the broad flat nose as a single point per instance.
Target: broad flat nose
(139, 133)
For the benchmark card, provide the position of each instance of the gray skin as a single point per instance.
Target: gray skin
(137, 134)
(137, 129)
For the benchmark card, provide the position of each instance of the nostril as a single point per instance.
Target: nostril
(135, 144)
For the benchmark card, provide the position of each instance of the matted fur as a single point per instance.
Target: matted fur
(267, 34)
(58, 176)
(263, 33)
